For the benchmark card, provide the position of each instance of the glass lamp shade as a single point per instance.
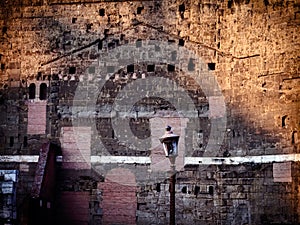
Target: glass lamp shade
(170, 144)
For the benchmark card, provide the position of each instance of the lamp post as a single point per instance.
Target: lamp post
(170, 145)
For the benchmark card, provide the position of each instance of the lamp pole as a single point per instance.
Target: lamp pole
(170, 145)
(172, 193)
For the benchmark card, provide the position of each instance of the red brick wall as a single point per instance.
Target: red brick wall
(119, 197)
(76, 151)
(36, 118)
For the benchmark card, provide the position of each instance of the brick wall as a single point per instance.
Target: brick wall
(119, 197)
(250, 49)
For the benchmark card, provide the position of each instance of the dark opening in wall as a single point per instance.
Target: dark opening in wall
(171, 41)
(150, 68)
(230, 2)
(55, 77)
(181, 10)
(43, 91)
(130, 68)
(39, 76)
(25, 141)
(181, 42)
(100, 45)
(11, 141)
(32, 91)
(158, 187)
(294, 137)
(4, 30)
(283, 121)
(197, 190)
(72, 70)
(211, 190)
(138, 43)
(112, 134)
(2, 66)
(171, 68)
(211, 66)
(184, 190)
(122, 37)
(102, 12)
(74, 20)
(139, 10)
(88, 27)
(266, 2)
(191, 65)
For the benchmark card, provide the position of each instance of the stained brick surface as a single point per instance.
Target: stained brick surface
(119, 197)
(245, 52)
(36, 118)
(76, 142)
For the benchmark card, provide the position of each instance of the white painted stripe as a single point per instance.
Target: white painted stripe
(19, 158)
(147, 160)
(241, 159)
(120, 159)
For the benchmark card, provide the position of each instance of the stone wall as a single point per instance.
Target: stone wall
(229, 69)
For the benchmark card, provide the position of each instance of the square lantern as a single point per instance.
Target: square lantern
(170, 142)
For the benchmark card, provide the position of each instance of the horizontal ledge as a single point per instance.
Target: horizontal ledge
(121, 159)
(241, 159)
(147, 160)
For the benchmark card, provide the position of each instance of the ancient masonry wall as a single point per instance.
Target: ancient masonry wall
(48, 48)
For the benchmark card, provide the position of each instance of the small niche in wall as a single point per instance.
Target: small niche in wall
(211, 66)
(158, 189)
(100, 45)
(138, 43)
(181, 42)
(130, 68)
(139, 9)
(72, 70)
(171, 68)
(181, 10)
(102, 12)
(11, 141)
(150, 68)
(211, 190)
(74, 20)
(25, 142)
(197, 190)
(39, 76)
(4, 30)
(283, 121)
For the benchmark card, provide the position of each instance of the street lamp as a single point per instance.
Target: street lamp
(170, 145)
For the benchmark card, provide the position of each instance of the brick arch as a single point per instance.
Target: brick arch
(119, 197)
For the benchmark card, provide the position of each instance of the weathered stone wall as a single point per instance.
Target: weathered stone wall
(250, 47)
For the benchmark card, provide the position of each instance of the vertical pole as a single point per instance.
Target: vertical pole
(172, 195)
